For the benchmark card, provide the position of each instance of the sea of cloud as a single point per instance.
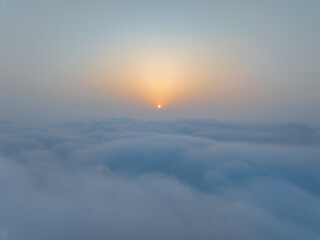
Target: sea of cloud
(146, 179)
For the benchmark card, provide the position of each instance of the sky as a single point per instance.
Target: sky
(253, 61)
(231, 153)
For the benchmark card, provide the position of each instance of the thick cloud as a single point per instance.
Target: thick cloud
(141, 179)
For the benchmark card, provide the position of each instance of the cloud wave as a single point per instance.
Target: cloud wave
(143, 179)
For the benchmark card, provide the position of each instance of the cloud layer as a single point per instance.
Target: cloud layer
(141, 179)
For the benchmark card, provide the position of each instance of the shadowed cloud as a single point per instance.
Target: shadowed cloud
(141, 179)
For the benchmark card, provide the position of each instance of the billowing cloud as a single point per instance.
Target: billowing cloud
(143, 179)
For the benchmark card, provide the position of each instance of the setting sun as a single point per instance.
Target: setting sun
(151, 75)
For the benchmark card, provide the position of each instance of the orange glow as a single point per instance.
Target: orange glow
(155, 75)
(170, 76)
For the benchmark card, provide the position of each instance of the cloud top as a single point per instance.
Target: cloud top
(143, 179)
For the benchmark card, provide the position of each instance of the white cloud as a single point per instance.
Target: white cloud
(139, 179)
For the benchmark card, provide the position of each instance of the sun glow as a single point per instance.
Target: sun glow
(168, 75)
(154, 75)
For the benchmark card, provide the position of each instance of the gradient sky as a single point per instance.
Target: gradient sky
(253, 61)
(233, 153)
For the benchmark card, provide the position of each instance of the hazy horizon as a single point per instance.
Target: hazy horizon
(159, 119)
(208, 59)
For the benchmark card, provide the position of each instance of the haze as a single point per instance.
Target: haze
(159, 120)
(227, 60)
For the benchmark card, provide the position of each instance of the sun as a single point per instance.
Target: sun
(159, 106)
